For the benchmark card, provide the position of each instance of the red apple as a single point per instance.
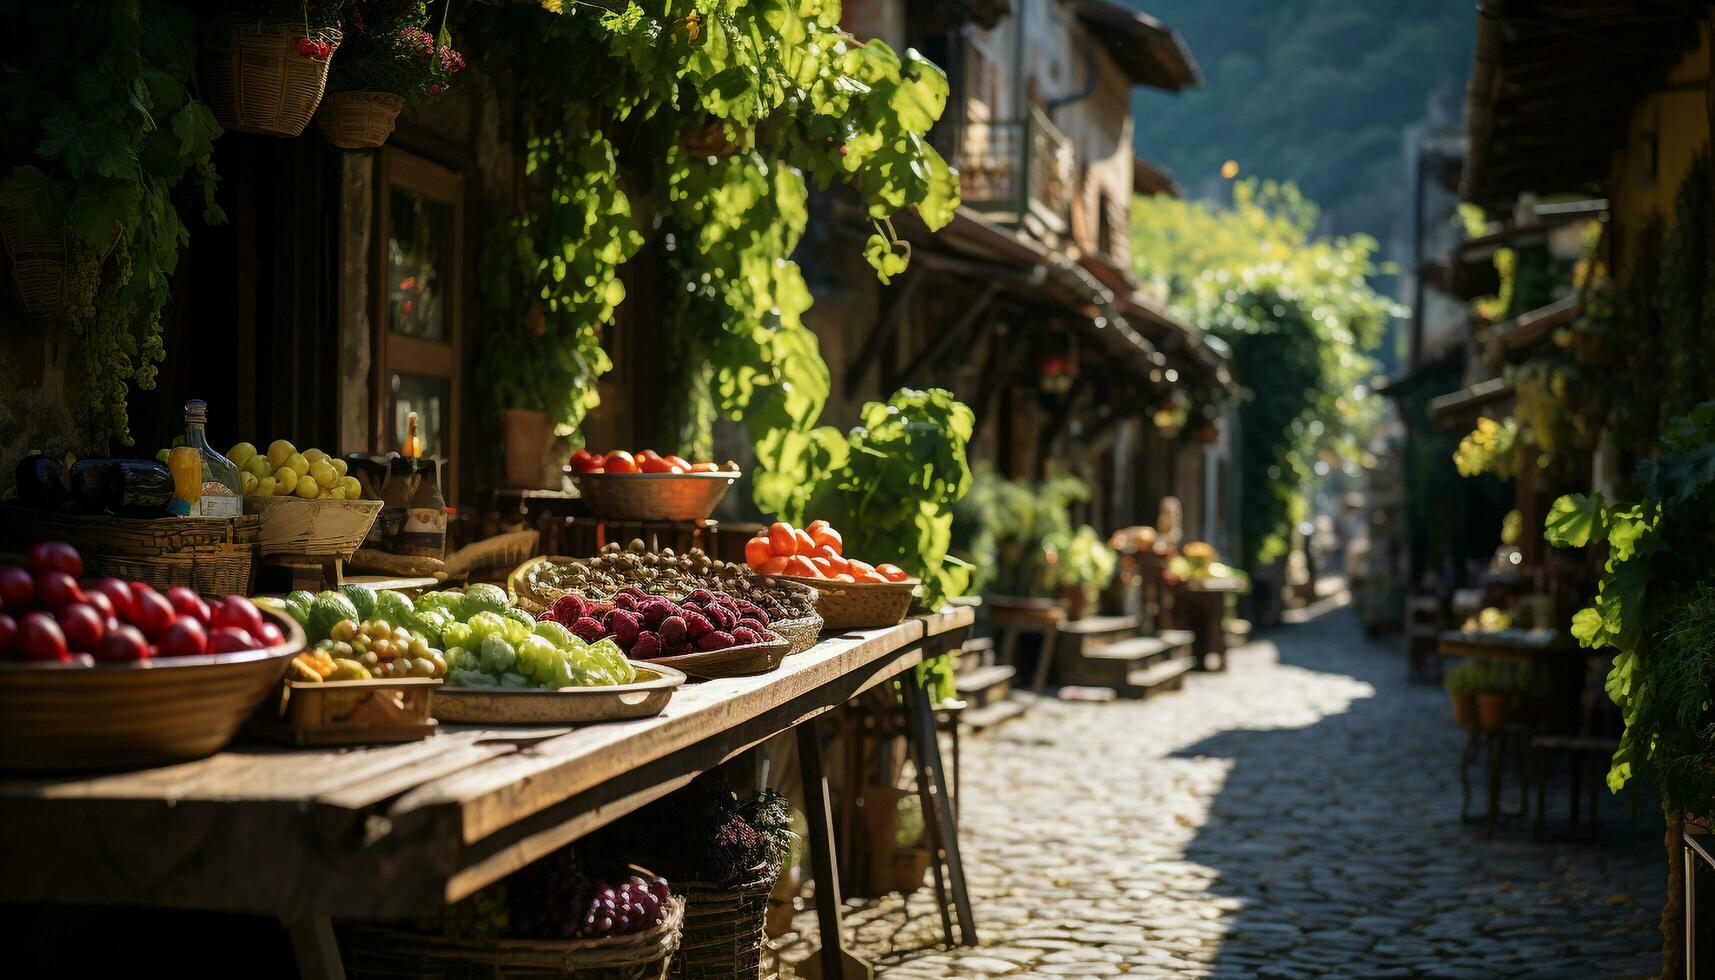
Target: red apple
(40, 638)
(188, 603)
(55, 589)
(83, 626)
(230, 639)
(153, 613)
(17, 589)
(118, 594)
(185, 637)
(54, 556)
(238, 612)
(122, 645)
(8, 634)
(270, 635)
(102, 604)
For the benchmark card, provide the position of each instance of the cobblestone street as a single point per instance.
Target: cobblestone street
(1294, 817)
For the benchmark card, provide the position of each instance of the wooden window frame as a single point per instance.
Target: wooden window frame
(394, 353)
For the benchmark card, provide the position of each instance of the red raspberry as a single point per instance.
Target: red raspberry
(588, 630)
(716, 640)
(569, 608)
(696, 624)
(648, 646)
(744, 636)
(675, 631)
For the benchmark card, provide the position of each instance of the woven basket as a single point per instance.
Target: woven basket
(385, 954)
(257, 82)
(295, 526)
(724, 929)
(41, 269)
(654, 496)
(537, 583)
(358, 120)
(801, 633)
(209, 554)
(859, 605)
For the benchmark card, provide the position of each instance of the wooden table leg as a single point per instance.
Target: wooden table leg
(316, 948)
(819, 812)
(1496, 756)
(931, 823)
(1465, 758)
(921, 724)
(1044, 659)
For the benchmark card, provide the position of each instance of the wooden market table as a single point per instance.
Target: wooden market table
(395, 832)
(1200, 605)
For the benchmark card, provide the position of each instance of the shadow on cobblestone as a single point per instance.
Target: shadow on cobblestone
(1342, 840)
(1295, 816)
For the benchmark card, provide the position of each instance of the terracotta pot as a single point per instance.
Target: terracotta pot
(1464, 710)
(526, 435)
(1491, 711)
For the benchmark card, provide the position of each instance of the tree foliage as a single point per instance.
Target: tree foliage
(1299, 316)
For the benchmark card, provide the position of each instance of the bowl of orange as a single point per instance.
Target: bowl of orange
(850, 593)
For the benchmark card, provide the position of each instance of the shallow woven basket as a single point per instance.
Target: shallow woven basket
(257, 82)
(801, 633)
(724, 929)
(358, 120)
(740, 661)
(653, 496)
(859, 605)
(533, 587)
(209, 554)
(385, 954)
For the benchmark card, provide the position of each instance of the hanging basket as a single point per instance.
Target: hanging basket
(45, 270)
(358, 120)
(258, 82)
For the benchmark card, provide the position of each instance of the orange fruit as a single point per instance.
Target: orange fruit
(804, 544)
(823, 567)
(815, 526)
(780, 540)
(773, 566)
(859, 568)
(800, 565)
(893, 573)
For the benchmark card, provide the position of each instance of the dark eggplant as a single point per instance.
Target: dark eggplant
(41, 482)
(142, 487)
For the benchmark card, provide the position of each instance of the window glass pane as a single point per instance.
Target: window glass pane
(419, 245)
(431, 399)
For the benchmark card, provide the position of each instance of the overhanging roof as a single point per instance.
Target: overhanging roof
(1148, 179)
(1148, 51)
(1553, 86)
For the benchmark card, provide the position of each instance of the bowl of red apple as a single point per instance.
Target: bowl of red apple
(108, 674)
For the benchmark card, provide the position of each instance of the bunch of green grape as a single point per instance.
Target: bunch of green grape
(510, 649)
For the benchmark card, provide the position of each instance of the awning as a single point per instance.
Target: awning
(1553, 86)
(1149, 179)
(1518, 335)
(1462, 407)
(1148, 51)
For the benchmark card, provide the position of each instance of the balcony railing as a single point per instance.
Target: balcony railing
(1020, 171)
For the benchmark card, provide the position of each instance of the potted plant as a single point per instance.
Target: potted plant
(388, 59)
(1079, 565)
(1462, 683)
(266, 63)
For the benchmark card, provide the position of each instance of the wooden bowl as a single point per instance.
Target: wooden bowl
(645, 697)
(295, 526)
(858, 605)
(60, 717)
(654, 496)
(739, 661)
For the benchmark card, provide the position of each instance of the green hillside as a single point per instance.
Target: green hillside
(1313, 91)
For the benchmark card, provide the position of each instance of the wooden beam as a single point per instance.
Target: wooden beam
(884, 330)
(951, 336)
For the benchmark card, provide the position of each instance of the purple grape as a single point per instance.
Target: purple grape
(624, 923)
(604, 925)
(659, 889)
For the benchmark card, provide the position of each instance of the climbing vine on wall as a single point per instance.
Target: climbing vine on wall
(102, 121)
(715, 116)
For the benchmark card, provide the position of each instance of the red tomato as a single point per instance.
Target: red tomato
(40, 638)
(239, 613)
(153, 614)
(780, 540)
(17, 589)
(823, 568)
(704, 468)
(860, 568)
(893, 573)
(186, 602)
(185, 637)
(774, 566)
(582, 454)
(757, 551)
(829, 538)
(54, 556)
(648, 454)
(122, 645)
(800, 565)
(119, 598)
(619, 461)
(832, 557)
(82, 625)
(8, 633)
(655, 465)
(230, 639)
(802, 544)
(677, 462)
(816, 525)
(843, 577)
(55, 589)
(587, 463)
(270, 634)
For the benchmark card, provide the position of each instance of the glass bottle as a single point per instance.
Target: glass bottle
(413, 448)
(425, 533)
(222, 495)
